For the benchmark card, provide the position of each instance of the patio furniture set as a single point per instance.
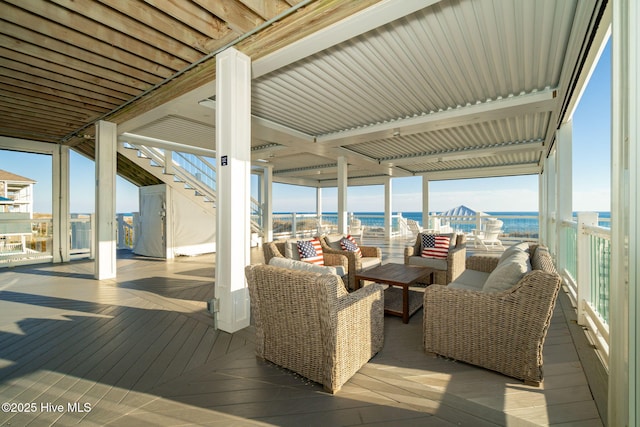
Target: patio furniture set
(315, 318)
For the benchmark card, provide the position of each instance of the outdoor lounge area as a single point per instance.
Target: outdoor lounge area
(142, 350)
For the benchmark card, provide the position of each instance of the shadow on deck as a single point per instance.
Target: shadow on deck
(141, 350)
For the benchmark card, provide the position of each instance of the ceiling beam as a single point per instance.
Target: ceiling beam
(488, 172)
(467, 153)
(501, 108)
(358, 23)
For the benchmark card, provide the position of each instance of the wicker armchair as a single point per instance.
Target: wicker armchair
(446, 270)
(310, 324)
(502, 331)
(371, 257)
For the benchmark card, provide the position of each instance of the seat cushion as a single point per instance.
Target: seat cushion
(522, 247)
(438, 264)
(470, 279)
(305, 266)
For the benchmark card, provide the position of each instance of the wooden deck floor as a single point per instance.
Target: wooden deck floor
(141, 350)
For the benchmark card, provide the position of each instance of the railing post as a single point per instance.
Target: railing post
(583, 260)
(92, 245)
(294, 225)
(168, 162)
(121, 231)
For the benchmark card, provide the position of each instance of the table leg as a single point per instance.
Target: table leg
(405, 304)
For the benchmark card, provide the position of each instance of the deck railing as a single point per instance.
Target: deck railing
(585, 266)
(26, 241)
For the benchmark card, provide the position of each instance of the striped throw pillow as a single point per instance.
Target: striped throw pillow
(310, 251)
(349, 244)
(435, 246)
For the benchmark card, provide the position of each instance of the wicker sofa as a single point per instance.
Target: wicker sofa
(371, 257)
(310, 324)
(446, 270)
(499, 330)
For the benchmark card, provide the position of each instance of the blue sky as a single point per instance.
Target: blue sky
(591, 174)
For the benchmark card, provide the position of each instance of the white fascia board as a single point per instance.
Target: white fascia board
(26, 145)
(296, 181)
(490, 172)
(470, 153)
(366, 20)
(531, 103)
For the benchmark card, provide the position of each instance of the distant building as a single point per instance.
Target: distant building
(16, 193)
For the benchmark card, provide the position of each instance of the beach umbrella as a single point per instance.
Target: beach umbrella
(462, 211)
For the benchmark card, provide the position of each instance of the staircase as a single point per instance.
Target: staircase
(192, 175)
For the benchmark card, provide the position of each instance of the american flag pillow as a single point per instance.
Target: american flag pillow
(435, 246)
(349, 244)
(311, 251)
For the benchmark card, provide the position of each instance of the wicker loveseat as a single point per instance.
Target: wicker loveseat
(371, 257)
(310, 324)
(447, 270)
(503, 331)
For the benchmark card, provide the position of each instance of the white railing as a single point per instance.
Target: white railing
(25, 241)
(586, 249)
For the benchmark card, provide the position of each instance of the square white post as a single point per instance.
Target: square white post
(425, 201)
(564, 189)
(267, 204)
(61, 215)
(342, 194)
(105, 230)
(624, 318)
(387, 208)
(233, 145)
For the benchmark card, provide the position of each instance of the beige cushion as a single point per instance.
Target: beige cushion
(291, 249)
(306, 266)
(508, 272)
(438, 264)
(470, 279)
(333, 241)
(519, 247)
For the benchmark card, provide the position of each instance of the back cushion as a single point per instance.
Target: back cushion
(508, 272)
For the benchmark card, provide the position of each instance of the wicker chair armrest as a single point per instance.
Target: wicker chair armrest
(359, 333)
(371, 251)
(270, 250)
(502, 331)
(334, 259)
(455, 263)
(482, 263)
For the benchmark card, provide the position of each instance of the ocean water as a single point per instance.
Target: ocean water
(524, 223)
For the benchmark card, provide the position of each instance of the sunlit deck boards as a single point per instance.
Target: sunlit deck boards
(141, 351)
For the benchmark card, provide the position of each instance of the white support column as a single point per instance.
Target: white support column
(425, 201)
(267, 203)
(564, 189)
(342, 195)
(583, 255)
(61, 215)
(233, 144)
(624, 318)
(105, 231)
(319, 202)
(388, 212)
(551, 203)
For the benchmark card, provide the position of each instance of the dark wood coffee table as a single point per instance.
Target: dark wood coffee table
(403, 276)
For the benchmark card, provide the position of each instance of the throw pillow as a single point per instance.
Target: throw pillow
(435, 246)
(349, 244)
(311, 251)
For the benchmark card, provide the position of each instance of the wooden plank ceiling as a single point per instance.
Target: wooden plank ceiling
(65, 64)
